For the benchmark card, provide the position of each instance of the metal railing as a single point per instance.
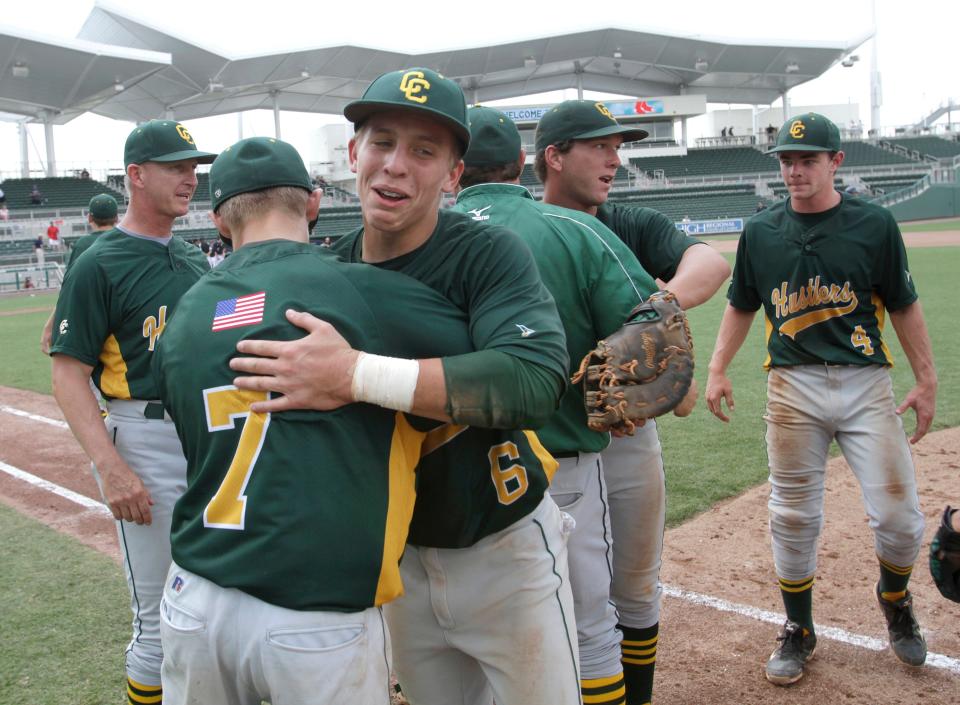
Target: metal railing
(30, 277)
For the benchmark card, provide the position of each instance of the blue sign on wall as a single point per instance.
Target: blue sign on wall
(711, 227)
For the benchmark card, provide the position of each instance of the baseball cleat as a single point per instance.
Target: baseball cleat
(905, 638)
(785, 665)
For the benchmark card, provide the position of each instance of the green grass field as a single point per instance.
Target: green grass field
(66, 605)
(64, 618)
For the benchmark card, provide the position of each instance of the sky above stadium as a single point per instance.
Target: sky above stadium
(915, 48)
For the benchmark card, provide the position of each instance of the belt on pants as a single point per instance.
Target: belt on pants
(151, 410)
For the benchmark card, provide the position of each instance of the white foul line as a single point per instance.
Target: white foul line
(34, 417)
(865, 642)
(75, 497)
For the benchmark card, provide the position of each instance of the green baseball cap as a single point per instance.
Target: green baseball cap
(103, 206)
(415, 89)
(810, 132)
(162, 141)
(581, 120)
(254, 164)
(494, 138)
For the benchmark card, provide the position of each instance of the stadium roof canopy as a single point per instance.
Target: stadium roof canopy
(51, 77)
(197, 82)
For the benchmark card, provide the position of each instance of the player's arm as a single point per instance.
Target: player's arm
(702, 270)
(733, 331)
(321, 371)
(47, 334)
(125, 494)
(911, 329)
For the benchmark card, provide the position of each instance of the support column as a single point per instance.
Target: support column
(579, 71)
(24, 149)
(48, 139)
(239, 126)
(168, 115)
(876, 94)
(276, 113)
(786, 105)
(683, 126)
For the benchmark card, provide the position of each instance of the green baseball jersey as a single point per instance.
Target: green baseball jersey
(114, 304)
(81, 246)
(594, 278)
(650, 235)
(303, 509)
(824, 281)
(480, 481)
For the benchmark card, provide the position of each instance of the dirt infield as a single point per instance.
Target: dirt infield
(706, 655)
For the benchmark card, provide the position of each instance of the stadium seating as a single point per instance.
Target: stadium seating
(191, 234)
(336, 221)
(703, 162)
(528, 177)
(16, 251)
(889, 183)
(202, 194)
(59, 192)
(696, 203)
(857, 154)
(934, 146)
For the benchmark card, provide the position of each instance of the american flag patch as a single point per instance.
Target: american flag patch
(241, 311)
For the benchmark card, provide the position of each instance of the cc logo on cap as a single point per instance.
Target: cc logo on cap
(412, 84)
(604, 111)
(182, 131)
(797, 130)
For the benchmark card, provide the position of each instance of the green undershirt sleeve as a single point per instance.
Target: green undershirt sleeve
(493, 389)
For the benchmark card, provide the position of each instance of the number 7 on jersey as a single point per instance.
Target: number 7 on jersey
(223, 406)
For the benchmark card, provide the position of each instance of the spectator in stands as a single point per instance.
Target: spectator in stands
(38, 250)
(216, 250)
(28, 283)
(84, 174)
(760, 206)
(730, 131)
(36, 197)
(327, 242)
(4, 213)
(771, 134)
(723, 133)
(53, 235)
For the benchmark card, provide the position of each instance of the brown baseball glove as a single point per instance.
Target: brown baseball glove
(641, 371)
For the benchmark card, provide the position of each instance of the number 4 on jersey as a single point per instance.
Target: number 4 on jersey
(223, 406)
(860, 339)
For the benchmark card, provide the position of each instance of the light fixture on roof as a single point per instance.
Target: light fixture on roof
(214, 85)
(617, 54)
(118, 86)
(305, 73)
(792, 67)
(530, 62)
(849, 61)
(701, 64)
(20, 70)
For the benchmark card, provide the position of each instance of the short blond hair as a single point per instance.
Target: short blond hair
(239, 209)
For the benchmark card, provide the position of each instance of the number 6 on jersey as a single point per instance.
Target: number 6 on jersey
(223, 406)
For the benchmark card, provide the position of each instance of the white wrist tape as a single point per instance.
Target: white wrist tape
(389, 382)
